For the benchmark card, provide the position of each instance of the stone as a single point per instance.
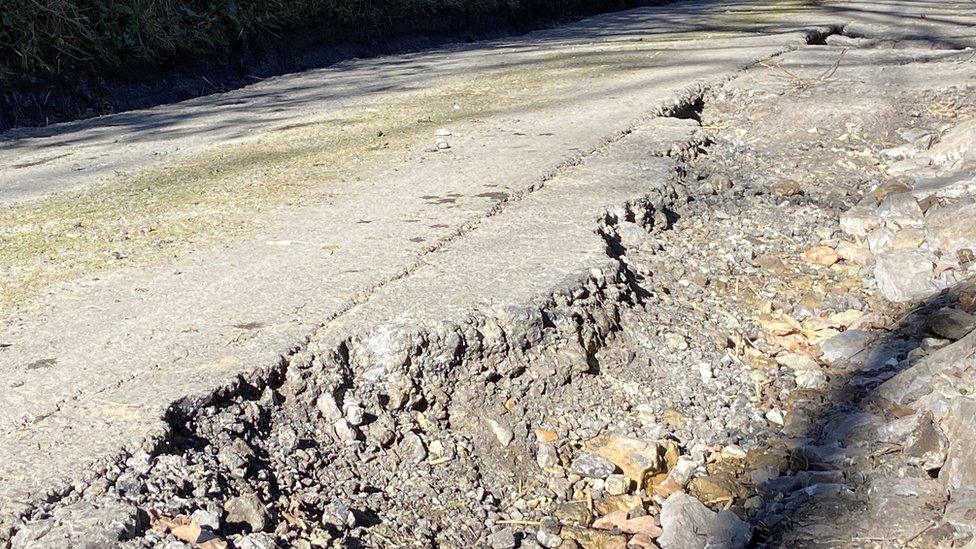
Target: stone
(502, 539)
(328, 407)
(83, 524)
(236, 457)
(206, 518)
(797, 363)
(381, 431)
(618, 520)
(728, 530)
(853, 253)
(636, 458)
(611, 504)
(683, 471)
(338, 515)
(845, 345)
(786, 187)
(861, 219)
(918, 137)
(547, 456)
(574, 513)
(549, 524)
(398, 391)
(717, 488)
(926, 446)
(246, 509)
(593, 466)
(344, 431)
(907, 239)
(547, 539)
(256, 541)
(632, 236)
(355, 414)
(675, 342)
(900, 152)
(753, 504)
(775, 416)
(924, 384)
(673, 418)
(959, 471)
(641, 541)
(811, 379)
(705, 371)
(502, 432)
(900, 210)
(952, 324)
(961, 511)
(688, 524)
(545, 435)
(733, 452)
(720, 183)
(616, 485)
(412, 448)
(595, 539)
(950, 228)
(685, 522)
(907, 275)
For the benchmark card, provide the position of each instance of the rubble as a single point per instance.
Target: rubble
(746, 368)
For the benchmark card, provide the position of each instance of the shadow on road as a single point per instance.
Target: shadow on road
(812, 506)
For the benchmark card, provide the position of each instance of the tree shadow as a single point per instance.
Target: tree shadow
(823, 500)
(250, 102)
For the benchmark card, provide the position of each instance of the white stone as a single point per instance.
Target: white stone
(811, 379)
(907, 275)
(688, 524)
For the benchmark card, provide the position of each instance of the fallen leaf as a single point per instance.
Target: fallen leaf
(646, 524)
(821, 255)
(796, 344)
(164, 524)
(642, 541)
(844, 319)
(611, 521)
(778, 324)
(612, 504)
(756, 359)
(546, 436)
(189, 532)
(666, 488)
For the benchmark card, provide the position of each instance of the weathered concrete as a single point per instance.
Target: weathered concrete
(91, 367)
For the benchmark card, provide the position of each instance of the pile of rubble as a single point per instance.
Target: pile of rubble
(795, 364)
(913, 228)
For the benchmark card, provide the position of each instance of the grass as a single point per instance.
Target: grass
(62, 37)
(229, 191)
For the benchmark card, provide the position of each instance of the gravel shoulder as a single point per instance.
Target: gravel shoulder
(649, 224)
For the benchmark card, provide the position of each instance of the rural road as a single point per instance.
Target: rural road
(152, 260)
